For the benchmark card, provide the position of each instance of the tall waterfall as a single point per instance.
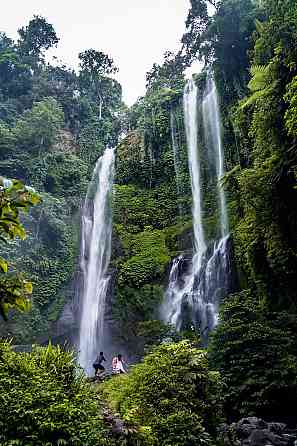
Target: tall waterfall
(95, 257)
(196, 289)
(191, 126)
(213, 138)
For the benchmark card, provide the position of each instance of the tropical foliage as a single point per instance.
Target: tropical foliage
(54, 123)
(172, 397)
(14, 198)
(45, 400)
(247, 340)
(50, 136)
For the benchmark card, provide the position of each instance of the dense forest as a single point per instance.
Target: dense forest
(189, 385)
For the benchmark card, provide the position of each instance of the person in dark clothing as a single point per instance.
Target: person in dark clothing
(98, 364)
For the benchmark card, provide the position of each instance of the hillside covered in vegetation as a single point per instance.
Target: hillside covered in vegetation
(54, 124)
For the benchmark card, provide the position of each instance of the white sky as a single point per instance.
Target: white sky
(135, 33)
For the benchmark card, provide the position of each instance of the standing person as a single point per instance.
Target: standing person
(98, 364)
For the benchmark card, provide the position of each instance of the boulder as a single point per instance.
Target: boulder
(253, 431)
(263, 437)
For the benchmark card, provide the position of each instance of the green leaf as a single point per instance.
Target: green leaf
(3, 265)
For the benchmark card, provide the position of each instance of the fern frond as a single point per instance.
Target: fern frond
(259, 94)
(260, 77)
(259, 69)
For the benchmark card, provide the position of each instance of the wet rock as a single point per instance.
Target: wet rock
(253, 431)
(263, 437)
(276, 428)
(118, 428)
(246, 426)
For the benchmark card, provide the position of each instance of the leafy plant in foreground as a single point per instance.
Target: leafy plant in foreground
(172, 397)
(14, 197)
(45, 400)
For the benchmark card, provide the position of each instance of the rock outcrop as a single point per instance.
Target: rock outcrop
(253, 431)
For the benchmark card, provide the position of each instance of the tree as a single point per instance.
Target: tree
(7, 140)
(291, 113)
(62, 84)
(222, 40)
(37, 37)
(14, 197)
(167, 75)
(196, 25)
(36, 130)
(255, 351)
(95, 65)
(15, 76)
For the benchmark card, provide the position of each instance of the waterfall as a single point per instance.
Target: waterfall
(195, 292)
(170, 311)
(213, 138)
(211, 285)
(191, 126)
(95, 257)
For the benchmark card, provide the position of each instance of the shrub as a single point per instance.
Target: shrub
(172, 396)
(45, 400)
(255, 351)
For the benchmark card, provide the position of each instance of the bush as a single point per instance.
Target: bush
(45, 401)
(172, 397)
(255, 351)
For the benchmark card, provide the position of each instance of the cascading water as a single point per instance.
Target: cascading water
(191, 126)
(177, 292)
(211, 284)
(95, 257)
(213, 138)
(170, 309)
(193, 296)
